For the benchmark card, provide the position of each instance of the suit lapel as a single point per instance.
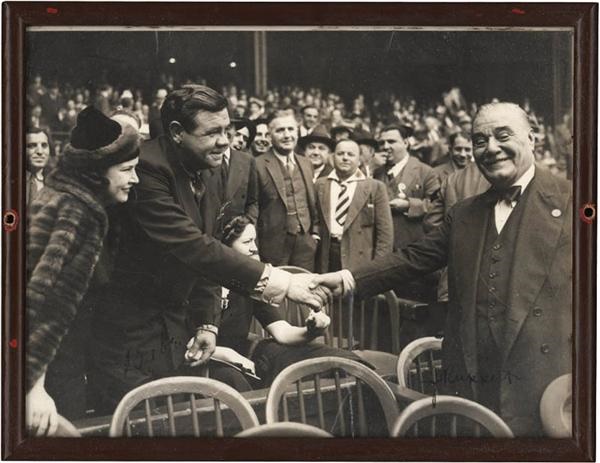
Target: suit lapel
(539, 232)
(324, 196)
(183, 189)
(236, 174)
(361, 193)
(272, 165)
(407, 176)
(466, 270)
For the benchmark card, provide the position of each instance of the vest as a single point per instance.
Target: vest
(493, 295)
(296, 201)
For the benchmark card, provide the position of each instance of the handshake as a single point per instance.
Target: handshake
(315, 290)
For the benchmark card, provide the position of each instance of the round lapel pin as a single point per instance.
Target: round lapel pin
(556, 213)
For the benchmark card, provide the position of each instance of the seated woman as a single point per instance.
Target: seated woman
(67, 226)
(289, 344)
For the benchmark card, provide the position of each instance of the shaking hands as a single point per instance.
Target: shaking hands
(315, 290)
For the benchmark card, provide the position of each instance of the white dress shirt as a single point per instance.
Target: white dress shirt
(285, 159)
(397, 169)
(335, 228)
(502, 210)
(317, 172)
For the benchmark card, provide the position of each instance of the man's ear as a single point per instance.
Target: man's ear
(531, 139)
(176, 131)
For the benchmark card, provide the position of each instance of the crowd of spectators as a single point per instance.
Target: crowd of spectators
(55, 107)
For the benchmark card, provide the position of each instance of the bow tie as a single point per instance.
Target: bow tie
(508, 195)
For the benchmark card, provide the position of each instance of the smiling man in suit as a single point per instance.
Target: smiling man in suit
(354, 213)
(288, 230)
(508, 331)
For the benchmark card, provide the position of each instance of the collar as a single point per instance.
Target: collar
(397, 168)
(227, 155)
(525, 179)
(355, 177)
(284, 159)
(319, 169)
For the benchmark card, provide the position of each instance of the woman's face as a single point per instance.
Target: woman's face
(246, 243)
(121, 178)
(37, 149)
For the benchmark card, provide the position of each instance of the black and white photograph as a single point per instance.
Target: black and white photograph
(299, 231)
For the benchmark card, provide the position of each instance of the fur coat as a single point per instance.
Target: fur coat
(65, 231)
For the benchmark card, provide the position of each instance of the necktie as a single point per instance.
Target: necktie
(343, 204)
(508, 195)
(199, 188)
(290, 165)
(224, 178)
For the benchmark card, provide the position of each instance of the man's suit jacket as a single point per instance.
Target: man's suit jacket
(166, 251)
(368, 229)
(272, 208)
(455, 187)
(421, 184)
(445, 168)
(241, 195)
(538, 339)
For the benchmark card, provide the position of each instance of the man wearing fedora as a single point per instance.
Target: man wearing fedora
(288, 229)
(317, 147)
(368, 145)
(411, 186)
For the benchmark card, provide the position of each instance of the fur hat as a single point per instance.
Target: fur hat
(98, 142)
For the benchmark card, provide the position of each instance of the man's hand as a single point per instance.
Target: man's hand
(300, 291)
(316, 323)
(41, 415)
(333, 281)
(399, 204)
(200, 348)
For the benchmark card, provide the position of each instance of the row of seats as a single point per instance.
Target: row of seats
(330, 396)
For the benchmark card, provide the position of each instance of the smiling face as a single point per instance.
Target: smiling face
(284, 134)
(317, 153)
(262, 140)
(202, 147)
(240, 139)
(310, 117)
(121, 178)
(503, 144)
(462, 150)
(346, 158)
(38, 150)
(246, 243)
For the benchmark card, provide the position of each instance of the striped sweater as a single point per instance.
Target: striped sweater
(65, 231)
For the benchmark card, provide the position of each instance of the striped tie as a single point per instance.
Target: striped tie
(343, 204)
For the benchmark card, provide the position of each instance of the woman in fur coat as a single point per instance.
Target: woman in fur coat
(67, 224)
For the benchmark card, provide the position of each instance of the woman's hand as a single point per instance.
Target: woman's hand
(41, 415)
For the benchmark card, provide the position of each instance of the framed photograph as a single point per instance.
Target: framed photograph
(435, 162)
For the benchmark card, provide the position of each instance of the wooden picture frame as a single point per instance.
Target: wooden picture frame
(582, 17)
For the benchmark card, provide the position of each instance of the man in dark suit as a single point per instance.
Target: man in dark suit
(411, 185)
(158, 290)
(288, 229)
(508, 332)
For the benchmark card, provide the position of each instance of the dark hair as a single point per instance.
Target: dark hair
(461, 133)
(308, 107)
(234, 229)
(52, 160)
(402, 130)
(183, 104)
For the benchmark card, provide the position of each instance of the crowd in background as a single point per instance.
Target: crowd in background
(55, 107)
